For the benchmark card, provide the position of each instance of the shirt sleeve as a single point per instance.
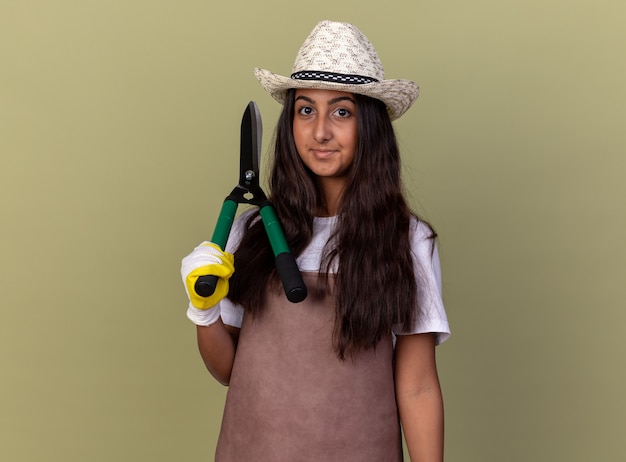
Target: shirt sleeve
(431, 316)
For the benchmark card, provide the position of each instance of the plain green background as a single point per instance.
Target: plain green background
(119, 139)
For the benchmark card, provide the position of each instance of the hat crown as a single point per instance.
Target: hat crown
(340, 48)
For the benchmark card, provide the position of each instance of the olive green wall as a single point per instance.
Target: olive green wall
(119, 138)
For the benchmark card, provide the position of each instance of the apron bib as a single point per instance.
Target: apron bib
(290, 398)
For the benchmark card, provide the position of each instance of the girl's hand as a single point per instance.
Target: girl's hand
(207, 259)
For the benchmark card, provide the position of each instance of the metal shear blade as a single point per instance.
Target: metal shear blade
(250, 149)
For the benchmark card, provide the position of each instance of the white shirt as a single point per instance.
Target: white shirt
(432, 317)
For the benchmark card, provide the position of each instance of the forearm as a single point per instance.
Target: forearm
(422, 418)
(217, 347)
(418, 395)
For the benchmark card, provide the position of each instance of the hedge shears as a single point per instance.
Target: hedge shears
(248, 191)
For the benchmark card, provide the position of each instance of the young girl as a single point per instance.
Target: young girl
(331, 378)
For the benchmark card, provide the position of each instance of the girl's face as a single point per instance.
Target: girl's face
(325, 131)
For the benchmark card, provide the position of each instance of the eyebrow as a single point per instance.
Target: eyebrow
(331, 101)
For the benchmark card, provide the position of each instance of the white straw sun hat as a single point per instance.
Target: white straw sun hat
(337, 56)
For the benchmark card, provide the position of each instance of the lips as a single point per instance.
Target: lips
(323, 153)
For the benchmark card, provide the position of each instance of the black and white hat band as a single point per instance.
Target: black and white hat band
(333, 77)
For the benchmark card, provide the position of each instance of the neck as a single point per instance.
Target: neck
(332, 190)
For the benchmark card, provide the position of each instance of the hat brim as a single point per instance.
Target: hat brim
(398, 95)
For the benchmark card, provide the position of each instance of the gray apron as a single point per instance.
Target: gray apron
(291, 399)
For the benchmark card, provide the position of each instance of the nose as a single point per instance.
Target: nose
(322, 132)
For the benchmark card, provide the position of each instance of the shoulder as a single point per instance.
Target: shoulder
(423, 239)
(244, 217)
(241, 223)
(420, 230)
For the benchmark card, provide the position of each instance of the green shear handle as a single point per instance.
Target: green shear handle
(288, 270)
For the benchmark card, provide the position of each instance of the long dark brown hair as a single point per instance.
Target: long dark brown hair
(375, 286)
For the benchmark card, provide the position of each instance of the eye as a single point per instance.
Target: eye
(343, 112)
(305, 110)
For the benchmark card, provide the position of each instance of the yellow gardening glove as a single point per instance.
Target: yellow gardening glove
(207, 259)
